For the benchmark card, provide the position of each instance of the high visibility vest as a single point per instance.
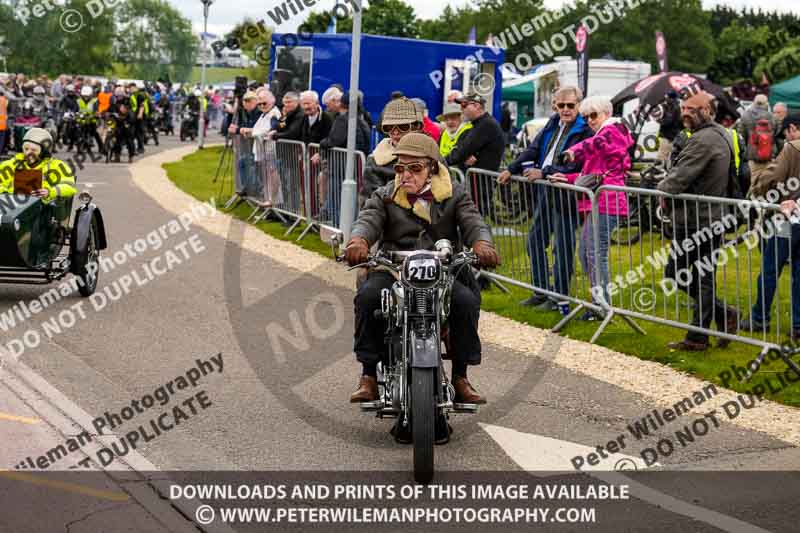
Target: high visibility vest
(446, 144)
(3, 113)
(205, 104)
(104, 100)
(737, 151)
(59, 179)
(135, 104)
(86, 106)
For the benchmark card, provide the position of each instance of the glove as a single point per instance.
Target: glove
(486, 253)
(356, 251)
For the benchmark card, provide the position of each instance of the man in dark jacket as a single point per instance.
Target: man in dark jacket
(292, 119)
(702, 168)
(316, 125)
(556, 212)
(420, 207)
(485, 144)
(337, 136)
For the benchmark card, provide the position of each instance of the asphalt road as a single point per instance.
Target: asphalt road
(280, 402)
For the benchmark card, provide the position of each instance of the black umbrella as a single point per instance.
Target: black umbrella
(652, 90)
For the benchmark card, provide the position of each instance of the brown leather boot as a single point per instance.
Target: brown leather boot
(465, 393)
(367, 390)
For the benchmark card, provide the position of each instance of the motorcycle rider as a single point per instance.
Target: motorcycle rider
(68, 104)
(165, 105)
(58, 180)
(88, 109)
(193, 104)
(125, 131)
(40, 102)
(420, 207)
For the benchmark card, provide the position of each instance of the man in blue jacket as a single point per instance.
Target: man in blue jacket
(555, 212)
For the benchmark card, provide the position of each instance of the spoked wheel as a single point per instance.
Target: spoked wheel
(423, 420)
(91, 267)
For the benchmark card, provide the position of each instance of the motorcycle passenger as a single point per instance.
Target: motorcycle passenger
(420, 207)
(88, 124)
(398, 118)
(58, 181)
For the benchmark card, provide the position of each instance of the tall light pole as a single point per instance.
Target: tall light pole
(349, 185)
(201, 133)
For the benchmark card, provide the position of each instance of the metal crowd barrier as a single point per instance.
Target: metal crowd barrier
(280, 166)
(457, 176)
(537, 228)
(696, 263)
(701, 264)
(323, 190)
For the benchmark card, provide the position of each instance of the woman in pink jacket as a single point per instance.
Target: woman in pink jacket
(606, 156)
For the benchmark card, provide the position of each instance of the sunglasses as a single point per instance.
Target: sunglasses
(466, 104)
(590, 116)
(263, 103)
(402, 128)
(414, 168)
(568, 105)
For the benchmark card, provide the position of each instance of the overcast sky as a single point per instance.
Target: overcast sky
(224, 14)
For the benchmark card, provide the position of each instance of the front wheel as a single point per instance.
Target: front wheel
(90, 259)
(423, 421)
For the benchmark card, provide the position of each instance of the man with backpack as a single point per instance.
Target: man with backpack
(758, 129)
(779, 249)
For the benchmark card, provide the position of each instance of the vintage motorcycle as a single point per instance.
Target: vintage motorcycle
(412, 383)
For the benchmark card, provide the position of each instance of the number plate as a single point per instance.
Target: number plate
(421, 271)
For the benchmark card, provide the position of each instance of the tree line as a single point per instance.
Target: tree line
(721, 40)
(141, 39)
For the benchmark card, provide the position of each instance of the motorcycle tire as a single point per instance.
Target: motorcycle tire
(423, 421)
(90, 256)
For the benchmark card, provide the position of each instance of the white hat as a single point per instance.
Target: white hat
(86, 91)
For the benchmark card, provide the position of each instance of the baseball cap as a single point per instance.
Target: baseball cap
(472, 97)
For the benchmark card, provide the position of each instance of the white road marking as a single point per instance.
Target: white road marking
(537, 453)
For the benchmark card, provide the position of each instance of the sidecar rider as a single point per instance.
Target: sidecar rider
(58, 181)
(420, 207)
